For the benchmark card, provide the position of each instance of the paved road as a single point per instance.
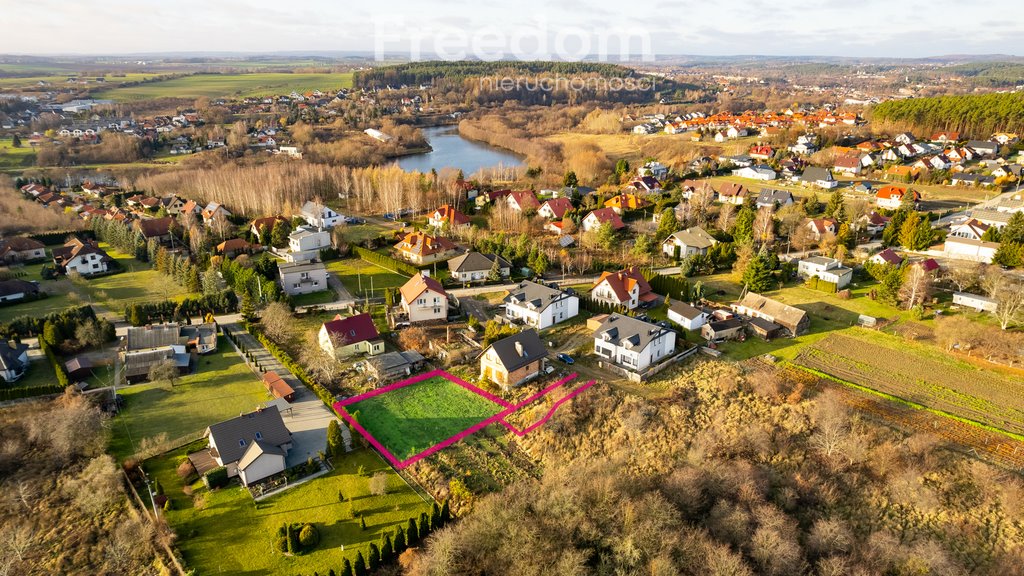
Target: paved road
(307, 418)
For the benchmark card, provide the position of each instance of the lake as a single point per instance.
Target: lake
(450, 150)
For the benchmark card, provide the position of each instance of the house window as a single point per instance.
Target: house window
(241, 443)
(259, 436)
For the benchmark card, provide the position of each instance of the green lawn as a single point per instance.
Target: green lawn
(40, 373)
(314, 298)
(231, 535)
(230, 85)
(359, 233)
(222, 387)
(358, 276)
(138, 283)
(413, 418)
(12, 158)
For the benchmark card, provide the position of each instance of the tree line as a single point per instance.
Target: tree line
(976, 114)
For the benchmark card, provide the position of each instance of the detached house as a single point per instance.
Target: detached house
(821, 226)
(820, 177)
(514, 360)
(303, 277)
(522, 200)
(770, 198)
(684, 243)
(793, 320)
(732, 193)
(540, 306)
(625, 202)
(624, 288)
(476, 267)
(891, 196)
(17, 289)
(159, 229)
(84, 257)
(687, 316)
(215, 211)
(262, 228)
(320, 216)
(447, 214)
(555, 208)
(424, 300)
(252, 446)
(631, 344)
(21, 249)
(849, 164)
(305, 244)
(342, 337)
(827, 269)
(421, 248)
(887, 256)
(601, 216)
(13, 361)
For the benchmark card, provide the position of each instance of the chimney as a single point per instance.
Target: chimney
(519, 349)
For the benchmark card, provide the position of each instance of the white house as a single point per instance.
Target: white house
(305, 243)
(303, 277)
(320, 216)
(13, 361)
(424, 300)
(694, 240)
(343, 337)
(540, 306)
(633, 344)
(84, 257)
(689, 317)
(756, 173)
(653, 168)
(476, 267)
(827, 269)
(252, 446)
(973, 250)
(820, 177)
(971, 229)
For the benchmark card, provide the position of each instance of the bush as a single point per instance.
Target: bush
(281, 543)
(309, 537)
(216, 478)
(186, 470)
(379, 484)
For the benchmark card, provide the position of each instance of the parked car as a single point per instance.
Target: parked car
(566, 358)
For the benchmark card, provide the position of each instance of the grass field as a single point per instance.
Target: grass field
(358, 233)
(314, 298)
(229, 85)
(60, 80)
(920, 375)
(222, 387)
(228, 534)
(413, 418)
(13, 158)
(138, 283)
(358, 276)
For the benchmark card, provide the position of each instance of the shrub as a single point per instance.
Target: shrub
(309, 537)
(386, 262)
(186, 470)
(168, 505)
(379, 484)
(281, 544)
(216, 478)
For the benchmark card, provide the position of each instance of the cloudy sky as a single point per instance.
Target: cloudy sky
(525, 28)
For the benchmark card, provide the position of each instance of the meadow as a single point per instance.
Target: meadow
(229, 85)
(413, 418)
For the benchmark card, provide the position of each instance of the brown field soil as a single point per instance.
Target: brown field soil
(934, 381)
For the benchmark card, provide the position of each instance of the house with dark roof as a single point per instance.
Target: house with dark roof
(632, 344)
(13, 361)
(540, 306)
(727, 329)
(391, 365)
(159, 229)
(17, 289)
(136, 364)
(476, 267)
(342, 337)
(514, 360)
(252, 446)
(770, 198)
(627, 287)
(424, 299)
(685, 315)
(820, 177)
(21, 249)
(82, 256)
(732, 193)
(753, 305)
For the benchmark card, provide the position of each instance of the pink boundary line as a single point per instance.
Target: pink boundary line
(550, 412)
(339, 407)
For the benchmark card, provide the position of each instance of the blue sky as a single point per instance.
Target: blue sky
(487, 29)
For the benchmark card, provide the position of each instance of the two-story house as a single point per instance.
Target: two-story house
(447, 215)
(827, 269)
(318, 215)
(421, 248)
(514, 360)
(424, 299)
(82, 256)
(303, 277)
(343, 337)
(252, 446)
(305, 244)
(633, 344)
(684, 243)
(540, 306)
(626, 288)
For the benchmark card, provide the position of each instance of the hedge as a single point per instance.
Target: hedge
(58, 367)
(815, 283)
(675, 288)
(596, 307)
(60, 237)
(386, 261)
(325, 396)
(29, 391)
(224, 302)
(66, 320)
(216, 478)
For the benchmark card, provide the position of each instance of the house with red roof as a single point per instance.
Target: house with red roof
(602, 216)
(891, 196)
(762, 152)
(421, 248)
(626, 288)
(522, 200)
(555, 208)
(343, 337)
(261, 225)
(447, 214)
(887, 256)
(821, 226)
(848, 164)
(732, 193)
(424, 299)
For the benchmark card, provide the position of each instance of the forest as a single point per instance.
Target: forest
(427, 72)
(975, 115)
(735, 470)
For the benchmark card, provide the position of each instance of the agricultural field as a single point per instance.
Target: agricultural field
(222, 387)
(359, 276)
(412, 418)
(60, 80)
(223, 532)
(15, 158)
(920, 376)
(229, 85)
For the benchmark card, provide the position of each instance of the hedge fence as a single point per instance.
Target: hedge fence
(325, 396)
(815, 283)
(385, 261)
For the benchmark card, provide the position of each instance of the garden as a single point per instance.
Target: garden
(224, 531)
(412, 418)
